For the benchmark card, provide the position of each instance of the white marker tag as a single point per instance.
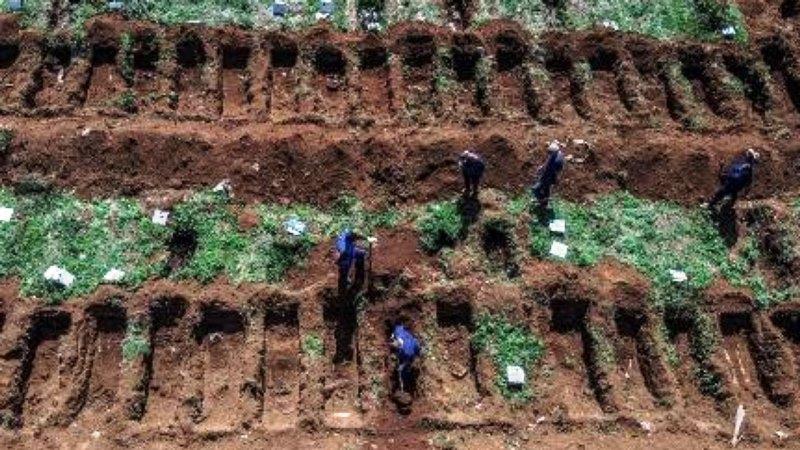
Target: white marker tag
(558, 226)
(6, 214)
(59, 275)
(114, 276)
(678, 276)
(515, 375)
(160, 217)
(558, 249)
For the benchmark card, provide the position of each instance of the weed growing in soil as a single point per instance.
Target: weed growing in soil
(34, 14)
(441, 226)
(703, 344)
(135, 343)
(126, 64)
(603, 352)
(6, 136)
(507, 344)
(313, 346)
(127, 101)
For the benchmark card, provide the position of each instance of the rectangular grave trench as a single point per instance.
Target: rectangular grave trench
(572, 348)
(637, 350)
(282, 367)
(454, 320)
(236, 81)
(105, 81)
(9, 53)
(170, 350)
(39, 367)
(736, 329)
(341, 389)
(105, 330)
(778, 57)
(220, 336)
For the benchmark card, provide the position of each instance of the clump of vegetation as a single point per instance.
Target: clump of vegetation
(313, 346)
(441, 226)
(209, 12)
(603, 352)
(34, 14)
(135, 344)
(6, 136)
(127, 101)
(704, 342)
(507, 344)
(663, 19)
(126, 64)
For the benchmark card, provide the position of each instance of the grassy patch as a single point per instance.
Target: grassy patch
(507, 344)
(653, 237)
(34, 14)
(209, 12)
(313, 346)
(87, 239)
(6, 136)
(135, 343)
(663, 19)
(441, 226)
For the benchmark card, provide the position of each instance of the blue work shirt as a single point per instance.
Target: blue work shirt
(740, 173)
(410, 348)
(348, 250)
(472, 166)
(551, 168)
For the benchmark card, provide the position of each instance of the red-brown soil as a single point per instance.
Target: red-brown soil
(305, 117)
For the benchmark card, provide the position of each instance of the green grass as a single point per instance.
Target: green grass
(441, 226)
(87, 239)
(313, 346)
(90, 238)
(653, 237)
(135, 343)
(508, 344)
(6, 136)
(209, 12)
(34, 14)
(662, 19)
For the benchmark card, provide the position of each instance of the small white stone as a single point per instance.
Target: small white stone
(160, 217)
(114, 276)
(95, 435)
(678, 276)
(6, 214)
(58, 275)
(559, 249)
(558, 226)
(515, 375)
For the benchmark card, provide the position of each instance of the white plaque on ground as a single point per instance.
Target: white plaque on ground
(5, 214)
(558, 249)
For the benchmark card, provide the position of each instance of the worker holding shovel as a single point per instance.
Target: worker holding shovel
(349, 253)
(548, 173)
(406, 348)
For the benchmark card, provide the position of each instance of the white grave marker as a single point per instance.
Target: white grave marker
(558, 226)
(5, 214)
(59, 275)
(515, 375)
(559, 249)
(114, 276)
(160, 217)
(678, 276)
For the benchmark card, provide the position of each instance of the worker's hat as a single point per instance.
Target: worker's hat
(554, 145)
(752, 153)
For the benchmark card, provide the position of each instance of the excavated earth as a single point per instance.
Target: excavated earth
(303, 117)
